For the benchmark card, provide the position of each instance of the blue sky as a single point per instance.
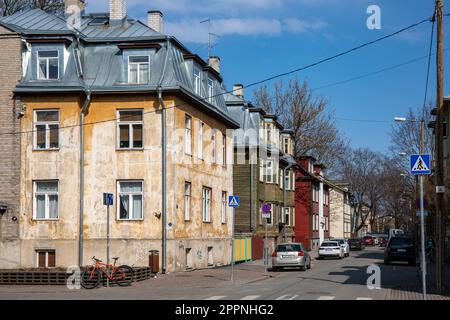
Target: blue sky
(261, 38)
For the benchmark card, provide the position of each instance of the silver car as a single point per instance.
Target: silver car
(290, 255)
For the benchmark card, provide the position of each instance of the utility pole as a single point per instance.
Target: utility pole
(422, 218)
(440, 205)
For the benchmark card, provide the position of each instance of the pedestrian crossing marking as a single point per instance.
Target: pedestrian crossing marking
(286, 297)
(326, 298)
(420, 165)
(215, 298)
(250, 297)
(361, 298)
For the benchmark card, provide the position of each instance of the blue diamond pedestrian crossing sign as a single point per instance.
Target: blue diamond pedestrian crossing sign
(420, 164)
(233, 201)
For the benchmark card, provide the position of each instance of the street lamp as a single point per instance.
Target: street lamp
(422, 220)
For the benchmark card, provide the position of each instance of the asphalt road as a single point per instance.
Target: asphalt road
(344, 279)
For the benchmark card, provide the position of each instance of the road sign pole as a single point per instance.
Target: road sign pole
(266, 249)
(232, 246)
(422, 240)
(107, 241)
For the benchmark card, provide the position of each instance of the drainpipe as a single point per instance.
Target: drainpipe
(284, 194)
(84, 109)
(163, 163)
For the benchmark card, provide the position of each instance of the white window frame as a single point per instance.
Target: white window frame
(46, 257)
(206, 204)
(224, 149)
(224, 206)
(130, 200)
(47, 202)
(47, 125)
(130, 129)
(262, 171)
(138, 70)
(188, 134)
(197, 81)
(187, 201)
(269, 177)
(213, 146)
(287, 213)
(201, 129)
(47, 59)
(210, 84)
(287, 179)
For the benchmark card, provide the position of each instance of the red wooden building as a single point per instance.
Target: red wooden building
(312, 219)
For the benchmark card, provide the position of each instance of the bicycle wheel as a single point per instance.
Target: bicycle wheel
(123, 276)
(90, 280)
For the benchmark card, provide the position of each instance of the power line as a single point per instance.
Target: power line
(260, 81)
(429, 61)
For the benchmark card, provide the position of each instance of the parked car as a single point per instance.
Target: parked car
(369, 241)
(356, 244)
(395, 233)
(383, 241)
(290, 255)
(400, 249)
(343, 243)
(331, 249)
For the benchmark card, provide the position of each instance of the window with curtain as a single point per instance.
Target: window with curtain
(187, 201)
(210, 90)
(224, 149)
(201, 127)
(130, 125)
(138, 69)
(46, 129)
(46, 204)
(213, 145)
(206, 204)
(224, 207)
(269, 171)
(188, 135)
(130, 200)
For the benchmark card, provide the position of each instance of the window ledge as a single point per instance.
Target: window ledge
(35, 219)
(130, 149)
(47, 149)
(129, 220)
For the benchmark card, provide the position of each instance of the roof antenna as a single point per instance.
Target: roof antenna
(210, 34)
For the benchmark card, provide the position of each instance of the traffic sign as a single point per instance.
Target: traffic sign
(233, 201)
(266, 209)
(108, 199)
(420, 164)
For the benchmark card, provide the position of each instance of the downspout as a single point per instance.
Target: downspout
(284, 194)
(163, 163)
(84, 109)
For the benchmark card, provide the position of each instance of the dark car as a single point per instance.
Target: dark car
(356, 244)
(369, 241)
(400, 249)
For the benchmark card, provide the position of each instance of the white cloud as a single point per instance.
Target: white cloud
(191, 30)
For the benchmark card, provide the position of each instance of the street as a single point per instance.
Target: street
(327, 280)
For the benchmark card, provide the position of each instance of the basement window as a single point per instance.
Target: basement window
(130, 200)
(46, 129)
(45, 258)
(46, 202)
(130, 126)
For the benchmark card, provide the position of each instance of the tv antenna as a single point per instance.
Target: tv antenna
(210, 35)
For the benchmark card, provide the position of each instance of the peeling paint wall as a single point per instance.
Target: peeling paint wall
(105, 165)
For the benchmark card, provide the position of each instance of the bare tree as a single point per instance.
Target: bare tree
(298, 109)
(363, 169)
(9, 7)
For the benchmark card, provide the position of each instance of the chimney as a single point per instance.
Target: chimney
(214, 62)
(117, 11)
(238, 90)
(155, 20)
(74, 6)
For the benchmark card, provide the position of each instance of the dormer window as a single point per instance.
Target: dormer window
(138, 69)
(210, 90)
(48, 65)
(197, 81)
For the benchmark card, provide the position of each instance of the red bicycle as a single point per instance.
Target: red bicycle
(91, 277)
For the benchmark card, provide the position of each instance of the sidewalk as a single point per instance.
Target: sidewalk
(414, 292)
(248, 272)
